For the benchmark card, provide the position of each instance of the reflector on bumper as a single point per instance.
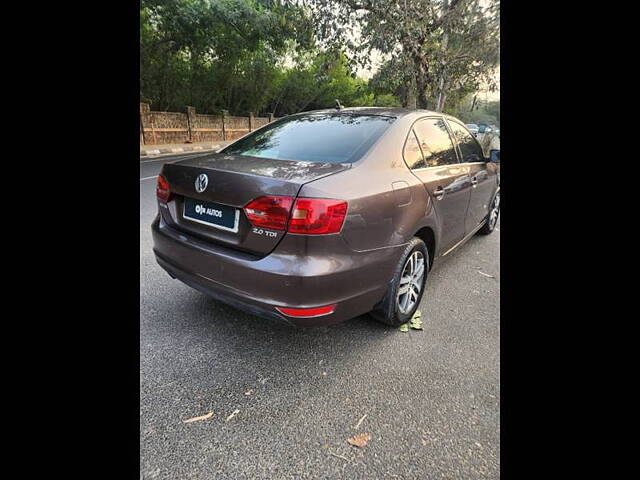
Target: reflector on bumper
(307, 312)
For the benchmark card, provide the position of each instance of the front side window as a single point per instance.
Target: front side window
(412, 152)
(469, 147)
(435, 142)
(314, 137)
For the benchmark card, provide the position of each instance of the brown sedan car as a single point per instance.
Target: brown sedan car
(322, 216)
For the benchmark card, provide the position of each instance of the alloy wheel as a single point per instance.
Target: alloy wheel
(495, 210)
(411, 282)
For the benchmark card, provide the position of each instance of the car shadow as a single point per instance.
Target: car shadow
(224, 351)
(221, 344)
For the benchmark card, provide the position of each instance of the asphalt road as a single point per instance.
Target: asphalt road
(431, 398)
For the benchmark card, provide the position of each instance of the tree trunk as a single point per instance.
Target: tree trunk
(421, 70)
(442, 95)
(445, 42)
(442, 101)
(441, 92)
(409, 96)
(423, 101)
(421, 88)
(194, 63)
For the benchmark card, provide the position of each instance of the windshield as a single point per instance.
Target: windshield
(321, 137)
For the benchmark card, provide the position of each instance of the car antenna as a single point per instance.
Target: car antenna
(338, 106)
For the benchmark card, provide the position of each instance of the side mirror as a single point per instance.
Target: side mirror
(494, 156)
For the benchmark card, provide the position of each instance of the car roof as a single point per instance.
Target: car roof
(382, 111)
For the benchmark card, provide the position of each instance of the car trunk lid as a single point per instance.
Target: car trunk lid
(232, 182)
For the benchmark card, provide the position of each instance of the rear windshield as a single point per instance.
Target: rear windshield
(322, 138)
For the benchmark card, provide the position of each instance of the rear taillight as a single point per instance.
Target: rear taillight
(269, 212)
(163, 192)
(316, 216)
(307, 312)
(309, 216)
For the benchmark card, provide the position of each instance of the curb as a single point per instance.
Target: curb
(159, 151)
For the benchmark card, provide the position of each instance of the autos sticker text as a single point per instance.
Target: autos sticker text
(201, 209)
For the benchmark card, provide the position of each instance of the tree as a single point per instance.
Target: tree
(436, 40)
(213, 54)
(285, 56)
(395, 77)
(470, 53)
(317, 81)
(482, 112)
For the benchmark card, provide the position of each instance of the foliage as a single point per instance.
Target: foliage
(483, 112)
(453, 43)
(321, 80)
(215, 54)
(472, 52)
(286, 56)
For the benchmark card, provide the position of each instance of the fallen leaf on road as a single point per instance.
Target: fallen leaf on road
(235, 412)
(404, 327)
(416, 321)
(197, 419)
(485, 274)
(359, 441)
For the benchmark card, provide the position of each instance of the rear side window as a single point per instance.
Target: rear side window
(435, 142)
(412, 153)
(321, 137)
(469, 147)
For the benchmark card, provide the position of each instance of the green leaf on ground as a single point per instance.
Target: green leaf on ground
(416, 321)
(404, 327)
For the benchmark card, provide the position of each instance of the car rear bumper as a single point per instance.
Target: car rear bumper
(328, 273)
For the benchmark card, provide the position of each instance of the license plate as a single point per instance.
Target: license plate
(212, 214)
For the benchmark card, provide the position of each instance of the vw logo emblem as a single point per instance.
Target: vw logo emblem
(201, 183)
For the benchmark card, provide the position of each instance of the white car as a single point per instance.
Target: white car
(473, 128)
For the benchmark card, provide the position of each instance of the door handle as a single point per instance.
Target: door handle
(439, 193)
(474, 182)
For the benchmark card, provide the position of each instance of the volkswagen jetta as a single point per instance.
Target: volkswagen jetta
(322, 216)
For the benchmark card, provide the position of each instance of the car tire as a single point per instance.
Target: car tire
(491, 221)
(389, 310)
